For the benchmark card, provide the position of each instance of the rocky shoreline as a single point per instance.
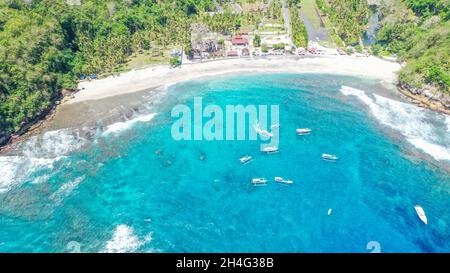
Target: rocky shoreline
(34, 126)
(426, 98)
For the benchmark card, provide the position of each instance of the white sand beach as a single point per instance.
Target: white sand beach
(163, 75)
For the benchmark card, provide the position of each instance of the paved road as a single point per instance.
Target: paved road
(236, 7)
(287, 17)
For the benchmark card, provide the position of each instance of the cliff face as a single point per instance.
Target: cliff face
(4, 138)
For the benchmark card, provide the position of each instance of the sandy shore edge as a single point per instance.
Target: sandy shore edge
(163, 75)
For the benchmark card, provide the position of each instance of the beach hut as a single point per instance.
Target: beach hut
(239, 40)
(232, 53)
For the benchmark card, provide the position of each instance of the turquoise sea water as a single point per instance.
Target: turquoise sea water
(133, 188)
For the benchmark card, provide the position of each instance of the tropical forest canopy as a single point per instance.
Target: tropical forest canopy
(47, 45)
(416, 31)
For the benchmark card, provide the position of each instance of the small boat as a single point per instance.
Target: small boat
(329, 211)
(270, 150)
(245, 159)
(262, 132)
(259, 181)
(421, 213)
(287, 182)
(303, 131)
(281, 180)
(329, 157)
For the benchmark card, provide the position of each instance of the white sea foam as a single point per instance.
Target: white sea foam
(17, 169)
(53, 144)
(437, 151)
(64, 191)
(122, 126)
(124, 240)
(447, 120)
(422, 128)
(37, 153)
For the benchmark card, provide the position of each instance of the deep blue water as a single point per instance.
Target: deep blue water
(137, 189)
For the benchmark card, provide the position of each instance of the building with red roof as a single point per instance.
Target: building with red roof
(239, 40)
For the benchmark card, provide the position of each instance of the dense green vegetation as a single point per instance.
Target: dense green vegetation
(299, 33)
(418, 32)
(46, 45)
(257, 40)
(349, 18)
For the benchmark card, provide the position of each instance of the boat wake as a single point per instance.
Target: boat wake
(423, 128)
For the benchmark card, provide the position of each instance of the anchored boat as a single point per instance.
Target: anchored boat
(259, 181)
(270, 150)
(245, 159)
(283, 181)
(421, 213)
(329, 157)
(303, 131)
(262, 132)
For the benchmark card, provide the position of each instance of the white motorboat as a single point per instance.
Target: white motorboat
(329, 211)
(270, 150)
(262, 132)
(245, 159)
(329, 157)
(287, 182)
(303, 131)
(259, 181)
(281, 180)
(421, 213)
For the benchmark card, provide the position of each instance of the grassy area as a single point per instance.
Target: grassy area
(246, 28)
(334, 40)
(272, 29)
(143, 59)
(309, 10)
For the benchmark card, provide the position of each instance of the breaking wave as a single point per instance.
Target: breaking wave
(53, 144)
(124, 240)
(122, 126)
(423, 128)
(40, 152)
(37, 154)
(15, 170)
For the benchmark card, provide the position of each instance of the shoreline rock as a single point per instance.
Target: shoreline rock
(35, 125)
(428, 97)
